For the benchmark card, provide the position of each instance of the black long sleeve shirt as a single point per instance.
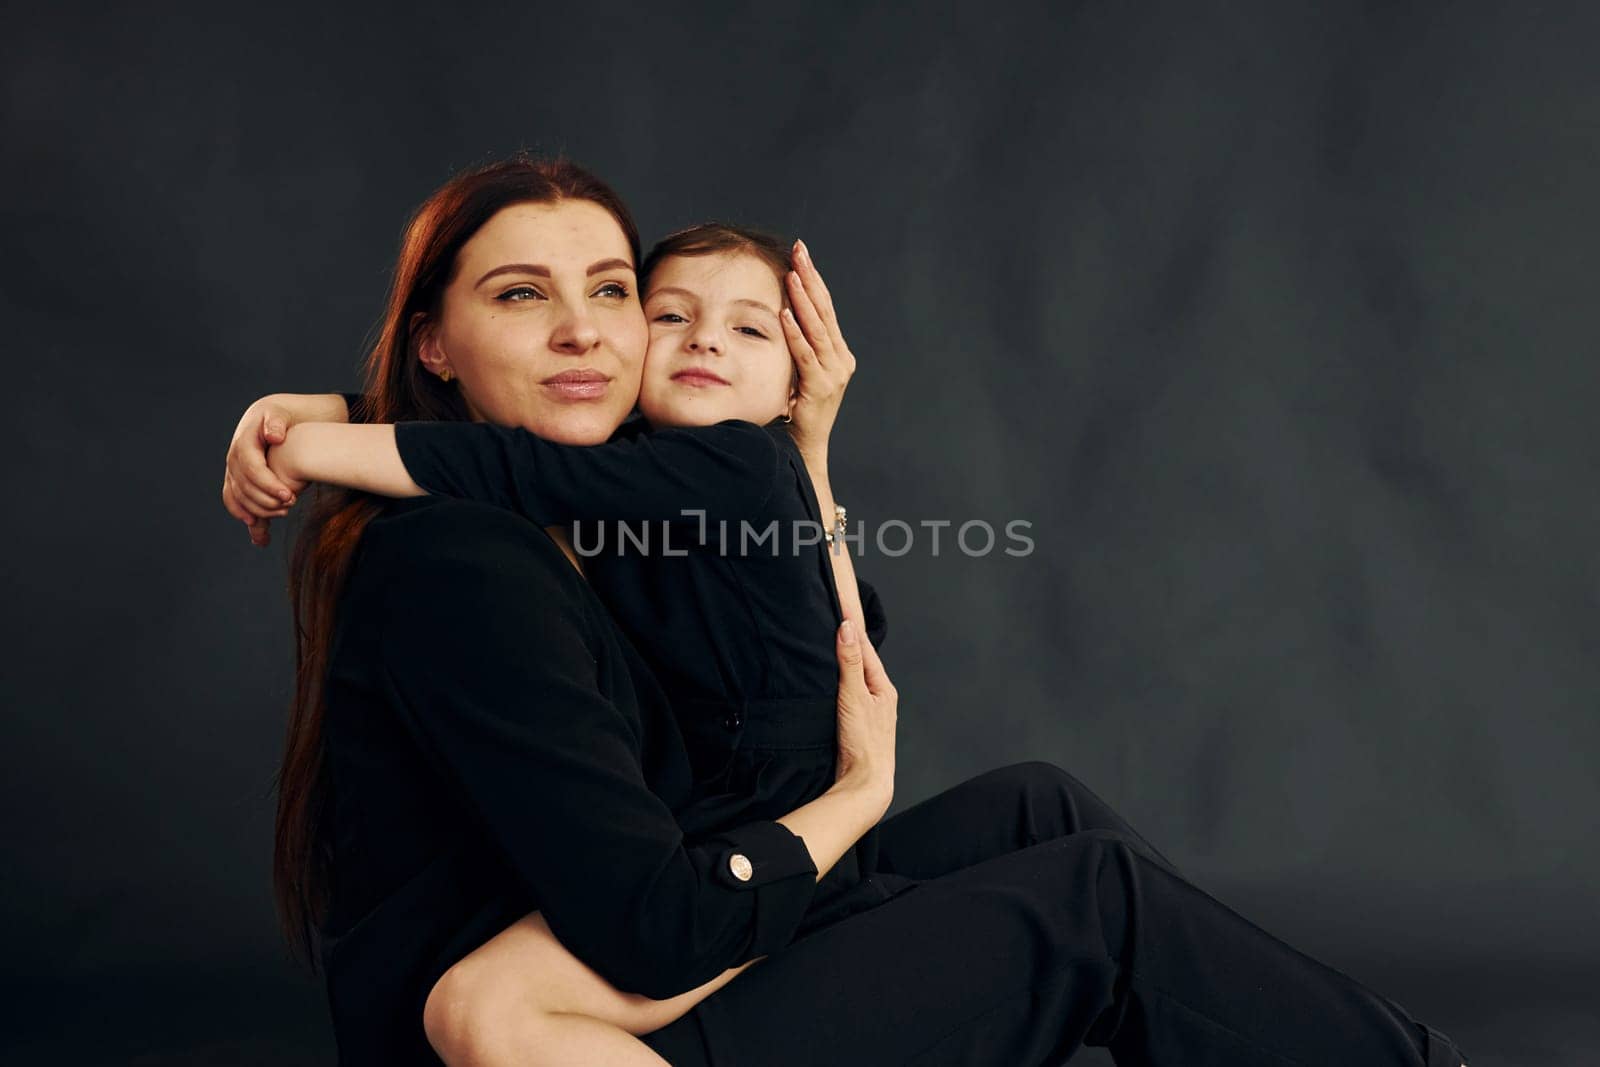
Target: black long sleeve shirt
(739, 630)
(495, 746)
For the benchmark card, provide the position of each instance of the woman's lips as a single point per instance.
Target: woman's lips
(698, 379)
(578, 384)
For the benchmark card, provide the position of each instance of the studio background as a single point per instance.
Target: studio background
(1276, 321)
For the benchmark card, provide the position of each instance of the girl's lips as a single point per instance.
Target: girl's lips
(699, 379)
(578, 384)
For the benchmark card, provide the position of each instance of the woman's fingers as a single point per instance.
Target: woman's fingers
(873, 674)
(848, 647)
(805, 357)
(817, 289)
(259, 535)
(810, 320)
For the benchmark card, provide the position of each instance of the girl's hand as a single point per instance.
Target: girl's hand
(251, 492)
(821, 357)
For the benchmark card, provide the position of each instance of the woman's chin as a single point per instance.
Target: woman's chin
(574, 425)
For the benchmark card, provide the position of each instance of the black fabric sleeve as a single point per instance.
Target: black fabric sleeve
(356, 404)
(728, 471)
(872, 613)
(487, 650)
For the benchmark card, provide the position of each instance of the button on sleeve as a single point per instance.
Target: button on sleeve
(767, 859)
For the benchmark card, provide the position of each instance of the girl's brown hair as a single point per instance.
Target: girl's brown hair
(398, 388)
(711, 237)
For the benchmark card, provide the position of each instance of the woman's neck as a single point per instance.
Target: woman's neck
(558, 534)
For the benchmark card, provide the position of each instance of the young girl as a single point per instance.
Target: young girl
(699, 523)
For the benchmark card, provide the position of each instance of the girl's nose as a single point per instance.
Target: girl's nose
(705, 344)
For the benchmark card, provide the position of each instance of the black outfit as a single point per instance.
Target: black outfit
(739, 631)
(1029, 919)
(496, 747)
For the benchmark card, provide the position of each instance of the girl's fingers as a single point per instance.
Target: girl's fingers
(256, 499)
(230, 501)
(251, 471)
(259, 533)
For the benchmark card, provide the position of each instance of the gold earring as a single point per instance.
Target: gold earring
(445, 375)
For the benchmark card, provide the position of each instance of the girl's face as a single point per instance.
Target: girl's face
(716, 348)
(541, 325)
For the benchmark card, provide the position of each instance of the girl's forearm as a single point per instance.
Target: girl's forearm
(354, 456)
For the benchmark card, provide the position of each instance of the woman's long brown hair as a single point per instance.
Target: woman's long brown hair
(398, 388)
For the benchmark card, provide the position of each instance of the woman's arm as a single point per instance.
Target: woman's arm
(844, 571)
(824, 365)
(484, 643)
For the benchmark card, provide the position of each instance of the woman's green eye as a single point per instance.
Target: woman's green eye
(615, 289)
(517, 294)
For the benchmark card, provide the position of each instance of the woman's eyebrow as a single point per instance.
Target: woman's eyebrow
(544, 272)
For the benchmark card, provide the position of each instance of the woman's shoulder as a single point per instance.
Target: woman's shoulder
(477, 549)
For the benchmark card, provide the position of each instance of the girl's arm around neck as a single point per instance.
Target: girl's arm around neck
(355, 456)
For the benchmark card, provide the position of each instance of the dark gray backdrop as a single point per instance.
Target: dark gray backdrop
(1275, 320)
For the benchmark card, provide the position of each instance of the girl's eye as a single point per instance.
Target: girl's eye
(670, 317)
(520, 293)
(613, 289)
(752, 332)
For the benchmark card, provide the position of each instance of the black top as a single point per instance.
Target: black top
(733, 605)
(495, 746)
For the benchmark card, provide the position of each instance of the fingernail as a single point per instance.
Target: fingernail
(847, 632)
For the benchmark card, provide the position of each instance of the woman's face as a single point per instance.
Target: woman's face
(541, 324)
(716, 349)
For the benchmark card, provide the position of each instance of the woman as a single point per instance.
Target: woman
(491, 747)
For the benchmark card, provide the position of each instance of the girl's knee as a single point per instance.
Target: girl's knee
(464, 1018)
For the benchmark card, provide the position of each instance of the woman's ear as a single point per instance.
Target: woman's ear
(425, 339)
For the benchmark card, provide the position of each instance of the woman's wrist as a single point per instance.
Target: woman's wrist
(815, 458)
(872, 787)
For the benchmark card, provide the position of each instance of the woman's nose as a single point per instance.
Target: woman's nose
(576, 334)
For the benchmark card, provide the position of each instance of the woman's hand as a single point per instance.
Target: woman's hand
(251, 492)
(868, 711)
(821, 357)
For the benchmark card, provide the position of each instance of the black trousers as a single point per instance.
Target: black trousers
(1023, 918)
